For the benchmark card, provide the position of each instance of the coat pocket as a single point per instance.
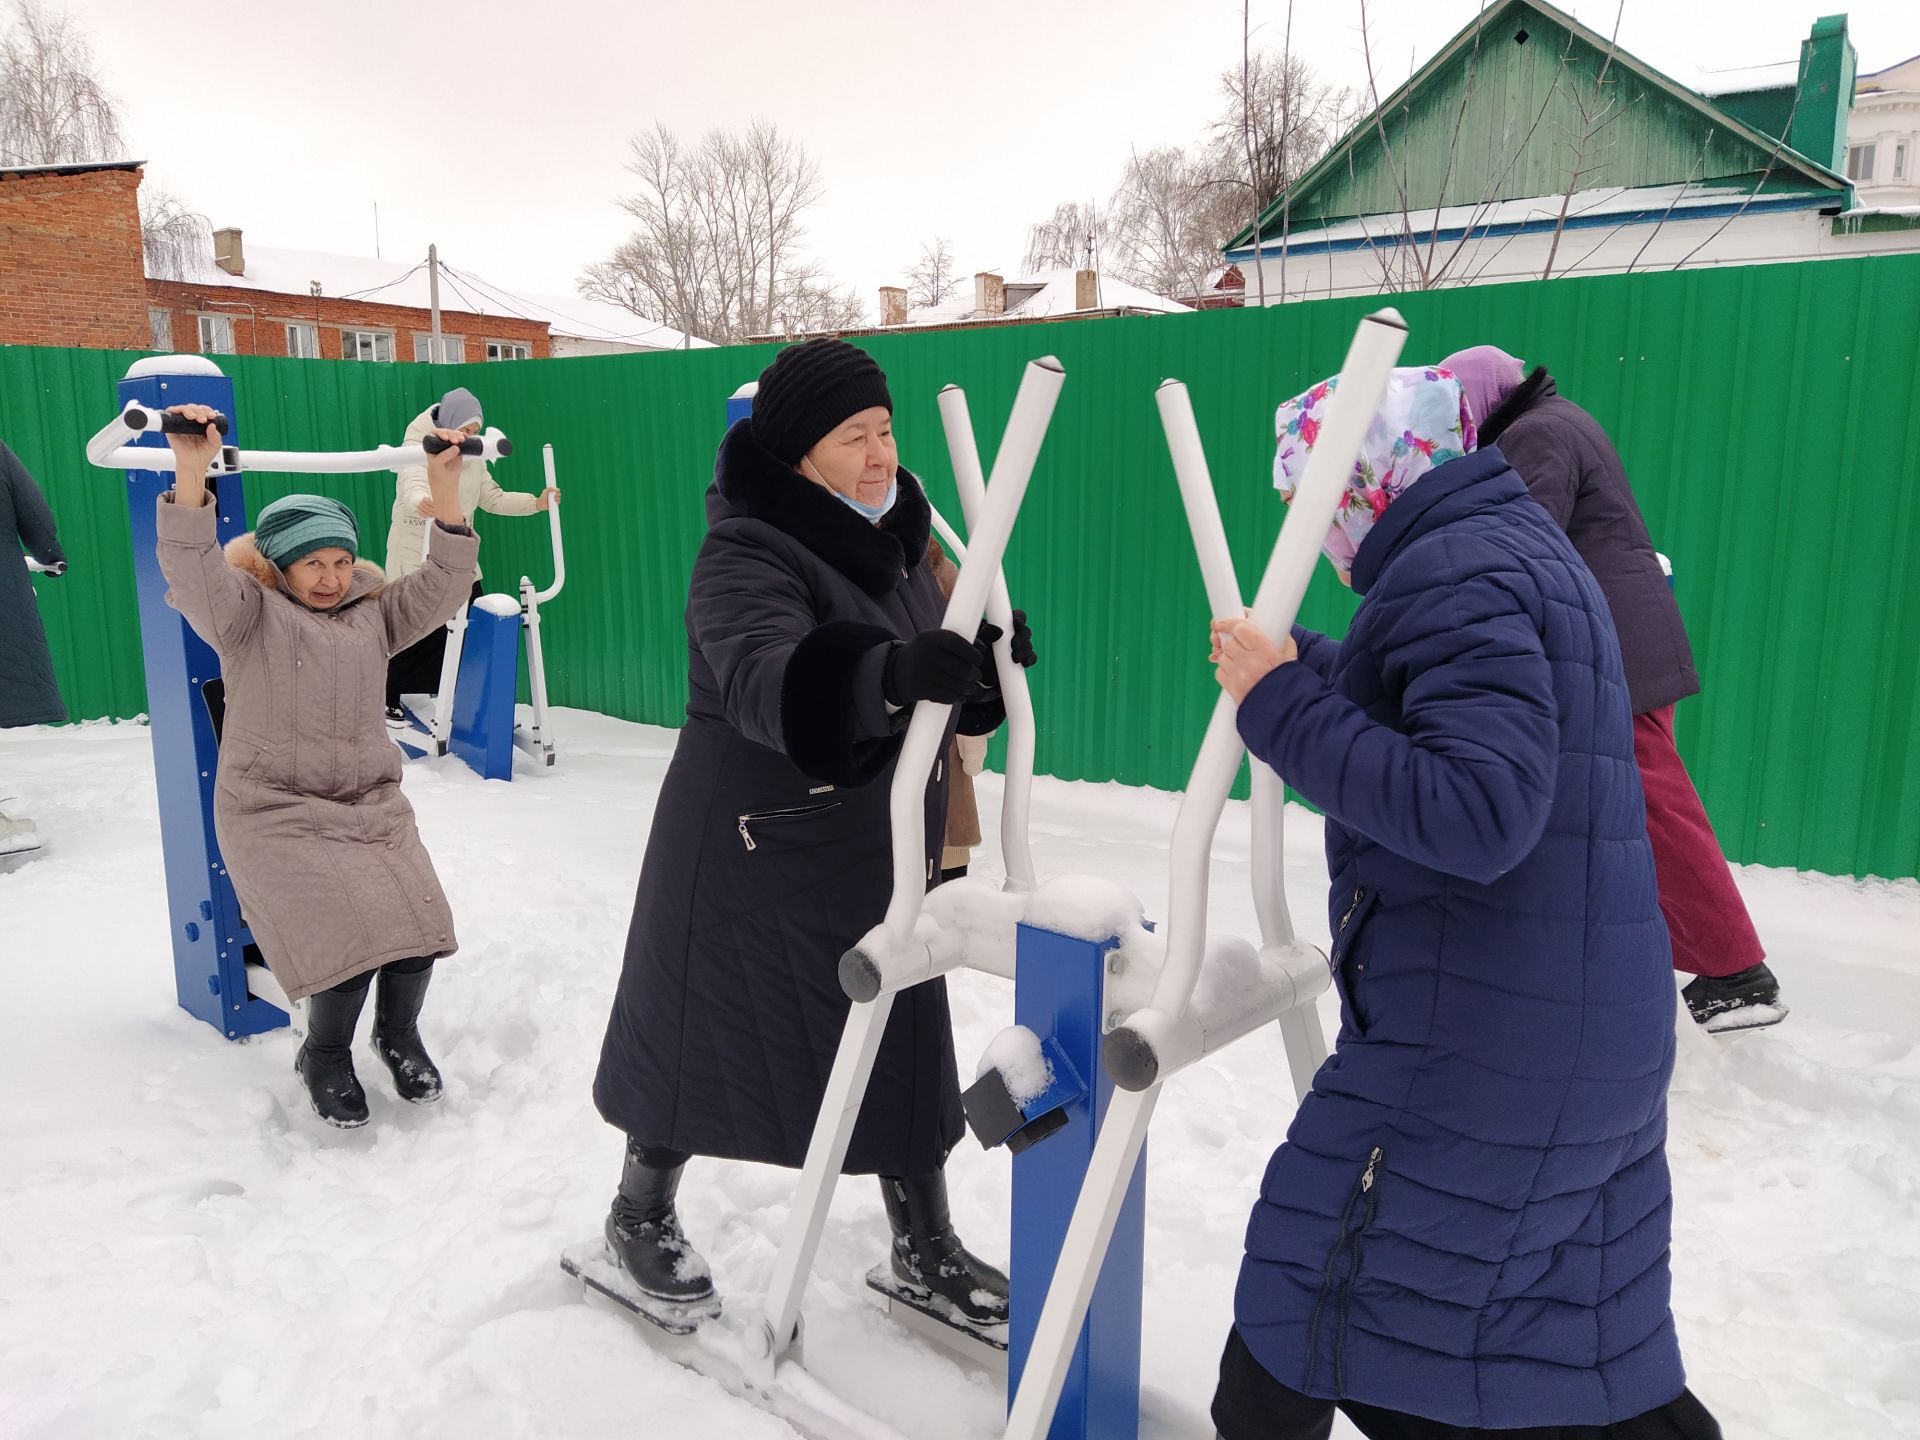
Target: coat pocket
(786, 826)
(1351, 947)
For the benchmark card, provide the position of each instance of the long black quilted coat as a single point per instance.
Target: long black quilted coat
(769, 855)
(28, 694)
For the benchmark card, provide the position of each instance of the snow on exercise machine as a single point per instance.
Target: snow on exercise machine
(218, 973)
(1188, 1017)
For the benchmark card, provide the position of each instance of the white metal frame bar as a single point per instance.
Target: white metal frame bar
(538, 740)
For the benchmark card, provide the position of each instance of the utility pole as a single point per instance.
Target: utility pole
(433, 296)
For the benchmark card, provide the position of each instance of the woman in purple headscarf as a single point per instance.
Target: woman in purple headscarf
(1571, 467)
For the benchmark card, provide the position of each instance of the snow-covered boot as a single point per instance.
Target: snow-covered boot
(1745, 1000)
(396, 1034)
(644, 1238)
(928, 1258)
(325, 1061)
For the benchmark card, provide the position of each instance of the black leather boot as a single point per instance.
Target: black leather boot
(644, 1237)
(325, 1061)
(396, 1033)
(928, 1256)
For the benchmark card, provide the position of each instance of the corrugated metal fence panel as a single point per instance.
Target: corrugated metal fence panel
(1767, 415)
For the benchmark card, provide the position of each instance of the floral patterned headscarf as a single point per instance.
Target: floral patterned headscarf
(1423, 421)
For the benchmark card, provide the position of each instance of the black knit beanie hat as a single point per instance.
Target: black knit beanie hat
(810, 388)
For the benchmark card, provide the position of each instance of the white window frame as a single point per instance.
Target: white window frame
(213, 329)
(160, 324)
(509, 350)
(351, 344)
(1868, 152)
(453, 348)
(307, 347)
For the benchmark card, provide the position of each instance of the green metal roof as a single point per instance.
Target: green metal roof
(1496, 115)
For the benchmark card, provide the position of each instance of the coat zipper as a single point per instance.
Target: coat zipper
(1368, 1189)
(1365, 1187)
(793, 812)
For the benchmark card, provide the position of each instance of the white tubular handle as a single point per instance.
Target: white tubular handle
(553, 529)
(1077, 1270)
(1363, 380)
(115, 434)
(1223, 598)
(38, 569)
(1016, 804)
(110, 451)
(1026, 427)
(1196, 493)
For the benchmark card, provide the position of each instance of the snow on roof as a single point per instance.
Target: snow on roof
(1586, 207)
(1051, 292)
(1777, 75)
(392, 282)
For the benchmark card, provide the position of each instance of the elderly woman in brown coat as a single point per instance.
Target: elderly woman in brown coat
(321, 844)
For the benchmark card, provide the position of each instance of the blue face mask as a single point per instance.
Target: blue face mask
(869, 512)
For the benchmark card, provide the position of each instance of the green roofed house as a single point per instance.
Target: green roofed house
(1530, 147)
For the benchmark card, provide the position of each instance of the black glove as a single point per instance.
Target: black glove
(935, 665)
(1023, 652)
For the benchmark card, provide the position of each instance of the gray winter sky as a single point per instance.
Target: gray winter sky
(499, 128)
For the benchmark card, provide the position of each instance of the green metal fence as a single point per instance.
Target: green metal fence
(1770, 418)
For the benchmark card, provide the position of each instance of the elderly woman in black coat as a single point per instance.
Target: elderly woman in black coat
(813, 628)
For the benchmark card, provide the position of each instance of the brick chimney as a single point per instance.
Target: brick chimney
(227, 253)
(893, 305)
(989, 294)
(1086, 289)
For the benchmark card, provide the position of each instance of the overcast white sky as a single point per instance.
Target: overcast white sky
(498, 128)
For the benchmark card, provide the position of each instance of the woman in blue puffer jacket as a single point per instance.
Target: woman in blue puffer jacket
(1467, 1228)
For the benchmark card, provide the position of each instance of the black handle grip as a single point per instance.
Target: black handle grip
(472, 445)
(172, 424)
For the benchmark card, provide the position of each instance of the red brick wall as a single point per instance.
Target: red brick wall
(71, 274)
(70, 267)
(261, 329)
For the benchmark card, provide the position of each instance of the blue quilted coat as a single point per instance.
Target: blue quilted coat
(1469, 1220)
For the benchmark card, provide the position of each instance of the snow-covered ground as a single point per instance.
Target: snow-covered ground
(185, 1251)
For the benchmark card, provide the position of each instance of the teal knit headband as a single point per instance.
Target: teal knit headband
(297, 525)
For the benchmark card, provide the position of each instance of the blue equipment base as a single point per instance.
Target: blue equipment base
(483, 699)
(1059, 996)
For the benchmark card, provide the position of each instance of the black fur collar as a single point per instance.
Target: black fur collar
(1529, 392)
(748, 481)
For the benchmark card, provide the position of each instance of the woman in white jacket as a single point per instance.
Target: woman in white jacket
(416, 670)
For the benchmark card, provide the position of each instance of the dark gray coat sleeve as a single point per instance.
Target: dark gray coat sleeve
(33, 517)
(810, 691)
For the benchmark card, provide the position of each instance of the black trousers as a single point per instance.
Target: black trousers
(1251, 1405)
(412, 965)
(416, 669)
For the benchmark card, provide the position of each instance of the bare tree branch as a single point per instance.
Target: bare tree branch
(931, 279)
(717, 250)
(54, 108)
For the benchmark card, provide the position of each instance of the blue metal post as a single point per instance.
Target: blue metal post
(209, 938)
(1058, 995)
(483, 698)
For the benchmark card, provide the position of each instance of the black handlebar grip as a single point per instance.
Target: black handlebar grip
(506, 446)
(172, 424)
(471, 445)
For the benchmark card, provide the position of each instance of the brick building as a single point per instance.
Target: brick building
(72, 273)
